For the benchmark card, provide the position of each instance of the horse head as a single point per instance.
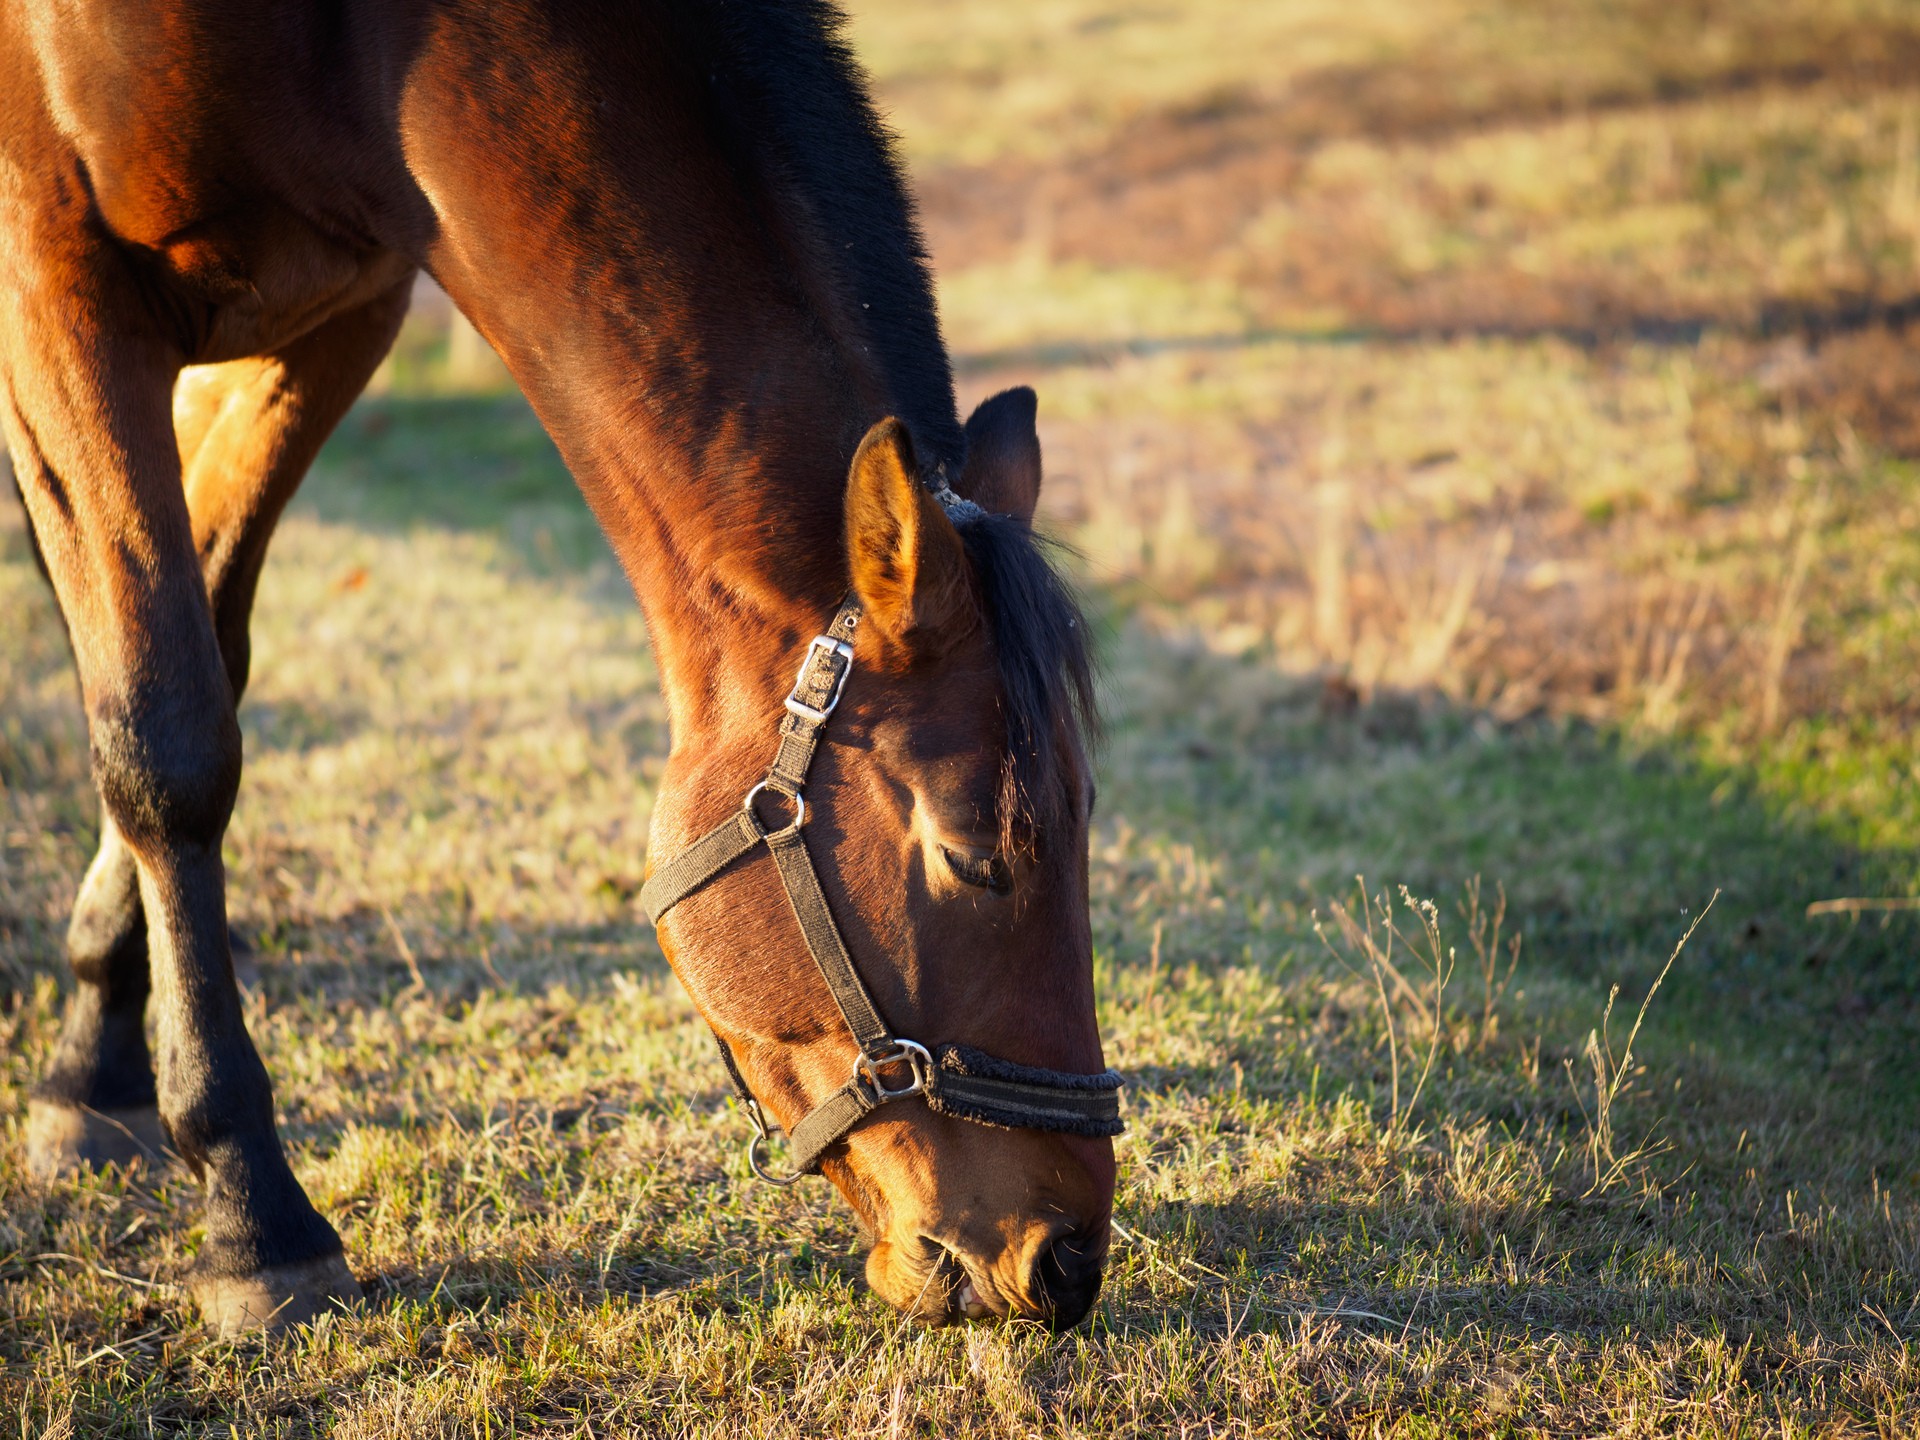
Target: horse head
(942, 809)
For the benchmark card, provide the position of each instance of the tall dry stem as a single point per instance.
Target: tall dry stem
(1660, 709)
(1435, 636)
(1484, 928)
(1903, 194)
(1408, 1010)
(1610, 1077)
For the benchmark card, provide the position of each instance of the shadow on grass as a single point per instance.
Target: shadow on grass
(1593, 1268)
(1605, 846)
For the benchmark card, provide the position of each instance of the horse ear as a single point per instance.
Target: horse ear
(909, 566)
(1002, 474)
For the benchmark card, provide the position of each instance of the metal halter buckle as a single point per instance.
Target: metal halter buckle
(799, 811)
(904, 1052)
(818, 714)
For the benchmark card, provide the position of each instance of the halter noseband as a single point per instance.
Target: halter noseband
(954, 1080)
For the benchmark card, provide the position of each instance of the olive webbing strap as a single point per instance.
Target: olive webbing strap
(825, 1126)
(802, 884)
(698, 863)
(817, 1131)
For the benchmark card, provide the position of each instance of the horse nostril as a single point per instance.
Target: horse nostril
(1066, 1277)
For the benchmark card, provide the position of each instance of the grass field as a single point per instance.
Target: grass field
(1492, 432)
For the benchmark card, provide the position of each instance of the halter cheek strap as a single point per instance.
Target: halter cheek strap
(954, 1080)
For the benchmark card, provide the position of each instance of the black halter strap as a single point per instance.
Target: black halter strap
(954, 1080)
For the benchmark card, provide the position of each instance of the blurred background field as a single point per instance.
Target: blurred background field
(1489, 430)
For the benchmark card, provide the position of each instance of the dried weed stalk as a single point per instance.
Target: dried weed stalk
(1609, 1164)
(1415, 1014)
(1484, 928)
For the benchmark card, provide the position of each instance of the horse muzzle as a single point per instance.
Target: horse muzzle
(1046, 1272)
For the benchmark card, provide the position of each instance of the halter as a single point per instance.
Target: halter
(954, 1080)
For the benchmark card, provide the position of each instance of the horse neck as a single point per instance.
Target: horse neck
(672, 342)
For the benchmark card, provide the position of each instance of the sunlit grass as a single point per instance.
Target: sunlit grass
(1029, 302)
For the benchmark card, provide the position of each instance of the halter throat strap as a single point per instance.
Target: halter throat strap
(954, 1080)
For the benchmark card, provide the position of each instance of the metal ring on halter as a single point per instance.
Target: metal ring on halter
(908, 1052)
(760, 1171)
(799, 812)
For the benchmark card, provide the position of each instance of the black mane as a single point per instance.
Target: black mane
(804, 129)
(1046, 669)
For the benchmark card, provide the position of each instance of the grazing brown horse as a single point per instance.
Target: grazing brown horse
(681, 226)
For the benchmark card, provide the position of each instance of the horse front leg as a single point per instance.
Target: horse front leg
(246, 432)
(88, 419)
(95, 1105)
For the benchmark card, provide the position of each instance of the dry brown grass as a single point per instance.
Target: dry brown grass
(1555, 373)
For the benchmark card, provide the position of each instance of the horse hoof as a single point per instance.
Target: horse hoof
(276, 1298)
(64, 1140)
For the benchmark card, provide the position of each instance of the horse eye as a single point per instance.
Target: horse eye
(988, 874)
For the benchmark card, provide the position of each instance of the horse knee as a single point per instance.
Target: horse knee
(167, 773)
